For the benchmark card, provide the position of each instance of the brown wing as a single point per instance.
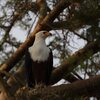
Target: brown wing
(28, 67)
(42, 70)
(49, 67)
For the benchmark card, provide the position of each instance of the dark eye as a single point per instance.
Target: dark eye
(44, 32)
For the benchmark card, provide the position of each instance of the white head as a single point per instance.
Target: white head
(43, 34)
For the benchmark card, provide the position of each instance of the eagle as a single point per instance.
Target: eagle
(39, 61)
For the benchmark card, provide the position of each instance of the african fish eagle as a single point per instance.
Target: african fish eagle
(39, 61)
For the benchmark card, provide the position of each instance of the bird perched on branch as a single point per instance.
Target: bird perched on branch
(39, 61)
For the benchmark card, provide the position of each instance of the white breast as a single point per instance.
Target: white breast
(39, 51)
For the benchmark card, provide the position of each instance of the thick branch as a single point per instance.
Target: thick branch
(42, 10)
(89, 87)
(69, 24)
(72, 62)
(4, 91)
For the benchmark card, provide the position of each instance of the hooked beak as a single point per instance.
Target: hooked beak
(48, 34)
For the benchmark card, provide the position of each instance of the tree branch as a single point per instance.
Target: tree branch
(4, 90)
(72, 62)
(89, 88)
